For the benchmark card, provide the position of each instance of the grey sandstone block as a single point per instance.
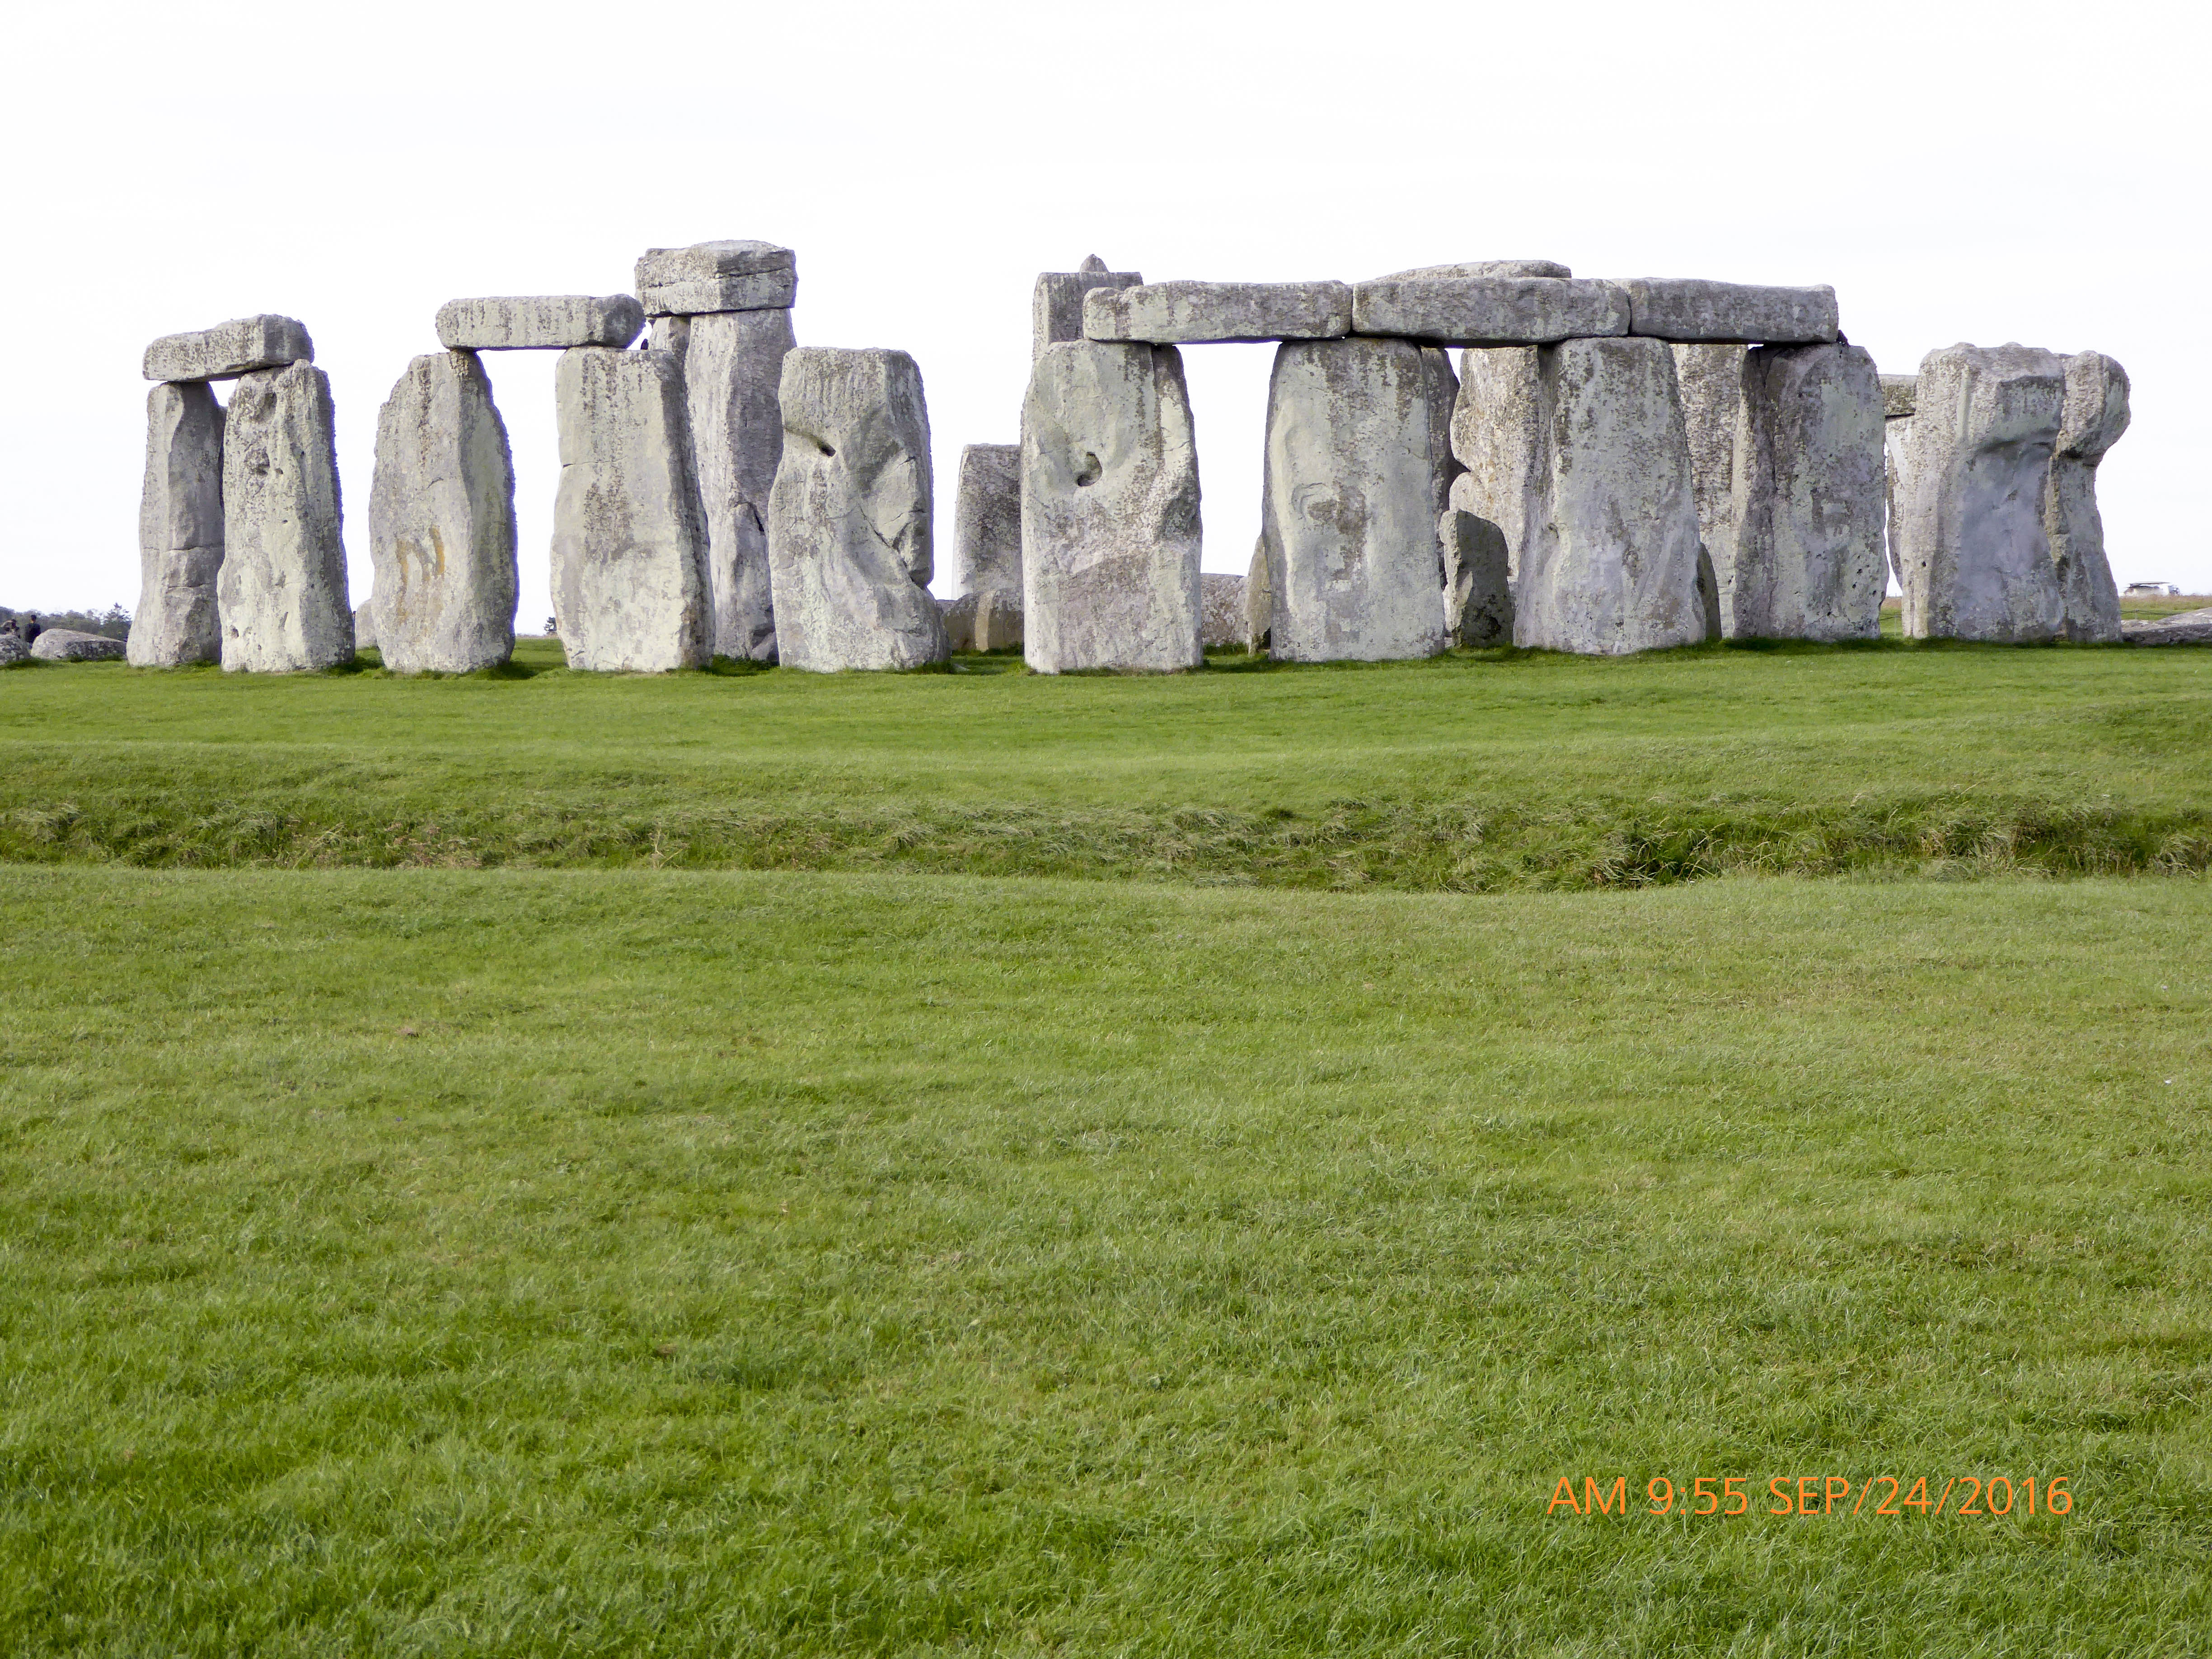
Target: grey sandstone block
(364, 623)
(630, 587)
(1483, 268)
(1692, 308)
(244, 345)
(987, 520)
(1478, 577)
(2096, 414)
(1110, 532)
(1488, 311)
(1220, 610)
(1191, 312)
(13, 651)
(282, 590)
(68, 644)
(723, 275)
(441, 522)
(1056, 302)
(2185, 628)
(1259, 598)
(1711, 379)
(850, 520)
(1899, 393)
(541, 322)
(998, 620)
(733, 369)
(1359, 470)
(179, 530)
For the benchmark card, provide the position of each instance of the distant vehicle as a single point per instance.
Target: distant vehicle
(2151, 587)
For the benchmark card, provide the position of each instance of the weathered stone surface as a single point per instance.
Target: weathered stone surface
(2183, 627)
(13, 651)
(1483, 268)
(1478, 577)
(733, 367)
(998, 620)
(179, 530)
(1973, 555)
(1110, 537)
(849, 520)
(67, 645)
(282, 590)
(1711, 379)
(631, 588)
(1692, 308)
(986, 519)
(1900, 393)
(1220, 610)
(364, 624)
(441, 522)
(2096, 415)
(542, 322)
(725, 276)
(1056, 303)
(1577, 454)
(1359, 470)
(241, 346)
(1166, 313)
(1488, 311)
(1259, 598)
(670, 334)
(1802, 556)
(959, 616)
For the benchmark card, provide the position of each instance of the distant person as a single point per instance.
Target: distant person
(8, 629)
(31, 628)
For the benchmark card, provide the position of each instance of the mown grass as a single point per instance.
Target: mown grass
(506, 1262)
(1473, 772)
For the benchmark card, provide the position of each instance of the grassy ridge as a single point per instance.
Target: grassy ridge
(1472, 772)
(504, 1263)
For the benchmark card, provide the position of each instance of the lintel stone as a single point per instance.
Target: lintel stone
(1192, 312)
(543, 322)
(1488, 311)
(1691, 308)
(244, 345)
(724, 276)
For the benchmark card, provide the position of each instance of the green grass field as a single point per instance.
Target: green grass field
(885, 1243)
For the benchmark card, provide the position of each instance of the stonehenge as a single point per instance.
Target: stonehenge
(714, 276)
(850, 516)
(1109, 510)
(441, 522)
(1488, 311)
(2095, 416)
(179, 530)
(1170, 313)
(1711, 379)
(281, 588)
(1056, 303)
(986, 522)
(551, 322)
(229, 350)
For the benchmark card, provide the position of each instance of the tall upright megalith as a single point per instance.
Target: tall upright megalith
(849, 518)
(1801, 554)
(2095, 416)
(630, 585)
(1973, 552)
(282, 590)
(1711, 379)
(1056, 302)
(1110, 532)
(441, 521)
(987, 520)
(181, 534)
(1358, 472)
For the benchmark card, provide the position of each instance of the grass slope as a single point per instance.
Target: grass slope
(1470, 772)
(502, 1262)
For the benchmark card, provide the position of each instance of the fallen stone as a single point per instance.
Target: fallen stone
(13, 651)
(67, 645)
(1691, 308)
(732, 367)
(1482, 268)
(179, 530)
(2182, 628)
(441, 522)
(1110, 534)
(545, 322)
(1220, 610)
(630, 587)
(1711, 379)
(282, 590)
(1359, 470)
(2096, 415)
(1802, 558)
(849, 518)
(1056, 303)
(1900, 393)
(986, 519)
(1167, 313)
(1488, 311)
(241, 346)
(1973, 554)
(727, 275)
(364, 625)
(998, 620)
(1259, 598)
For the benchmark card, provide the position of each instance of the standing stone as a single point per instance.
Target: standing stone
(1221, 610)
(1478, 579)
(2096, 415)
(1802, 556)
(1057, 304)
(1110, 534)
(1711, 379)
(987, 520)
(1899, 393)
(732, 366)
(441, 522)
(1577, 454)
(364, 623)
(1259, 598)
(998, 619)
(631, 588)
(1974, 555)
(849, 518)
(1358, 471)
(179, 530)
(282, 590)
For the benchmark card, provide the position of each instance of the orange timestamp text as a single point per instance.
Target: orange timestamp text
(1883, 1495)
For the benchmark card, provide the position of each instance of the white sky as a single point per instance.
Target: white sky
(2025, 171)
